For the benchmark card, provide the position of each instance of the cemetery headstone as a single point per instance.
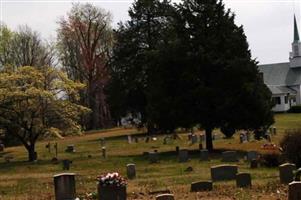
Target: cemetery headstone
(64, 186)
(111, 192)
(223, 172)
(243, 180)
(131, 171)
(201, 186)
(55, 148)
(103, 150)
(229, 156)
(254, 164)
(183, 155)
(165, 197)
(70, 149)
(1, 147)
(251, 155)
(153, 157)
(177, 149)
(66, 164)
(129, 139)
(204, 155)
(286, 172)
(294, 190)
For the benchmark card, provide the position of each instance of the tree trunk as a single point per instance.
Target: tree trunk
(32, 155)
(209, 144)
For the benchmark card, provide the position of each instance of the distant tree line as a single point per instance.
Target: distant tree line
(177, 65)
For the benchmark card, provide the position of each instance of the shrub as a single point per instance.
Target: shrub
(295, 109)
(291, 146)
(270, 159)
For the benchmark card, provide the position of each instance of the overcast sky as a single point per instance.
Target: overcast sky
(268, 24)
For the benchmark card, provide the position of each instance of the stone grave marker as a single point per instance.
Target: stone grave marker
(165, 197)
(177, 149)
(153, 157)
(201, 186)
(103, 150)
(2, 147)
(254, 164)
(223, 172)
(294, 190)
(70, 149)
(243, 180)
(204, 155)
(229, 156)
(131, 171)
(251, 155)
(64, 186)
(66, 164)
(183, 155)
(129, 139)
(286, 172)
(111, 193)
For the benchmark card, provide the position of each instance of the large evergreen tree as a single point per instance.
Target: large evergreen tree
(226, 85)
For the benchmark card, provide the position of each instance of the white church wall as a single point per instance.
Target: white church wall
(298, 95)
(282, 107)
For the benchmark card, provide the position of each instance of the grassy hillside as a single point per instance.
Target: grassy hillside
(22, 180)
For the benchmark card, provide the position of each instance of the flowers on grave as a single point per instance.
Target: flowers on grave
(111, 179)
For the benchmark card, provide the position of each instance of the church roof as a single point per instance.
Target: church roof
(281, 90)
(280, 74)
(296, 33)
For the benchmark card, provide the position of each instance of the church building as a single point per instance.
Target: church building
(284, 79)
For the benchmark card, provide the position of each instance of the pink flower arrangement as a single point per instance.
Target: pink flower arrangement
(112, 179)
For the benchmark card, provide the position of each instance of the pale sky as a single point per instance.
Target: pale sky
(268, 24)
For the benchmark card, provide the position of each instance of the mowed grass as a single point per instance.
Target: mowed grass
(22, 180)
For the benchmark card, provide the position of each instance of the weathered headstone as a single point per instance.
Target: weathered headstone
(229, 156)
(70, 149)
(177, 149)
(2, 147)
(66, 164)
(153, 157)
(243, 180)
(294, 190)
(111, 192)
(129, 139)
(131, 171)
(254, 164)
(103, 150)
(56, 149)
(194, 139)
(165, 197)
(223, 172)
(64, 186)
(204, 155)
(286, 172)
(252, 155)
(201, 186)
(183, 155)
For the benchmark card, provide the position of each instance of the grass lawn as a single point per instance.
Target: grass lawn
(22, 180)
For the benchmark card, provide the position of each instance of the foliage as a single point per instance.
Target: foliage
(295, 109)
(291, 146)
(136, 42)
(24, 47)
(35, 102)
(84, 43)
(111, 179)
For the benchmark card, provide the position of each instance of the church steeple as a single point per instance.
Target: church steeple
(295, 55)
(296, 33)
